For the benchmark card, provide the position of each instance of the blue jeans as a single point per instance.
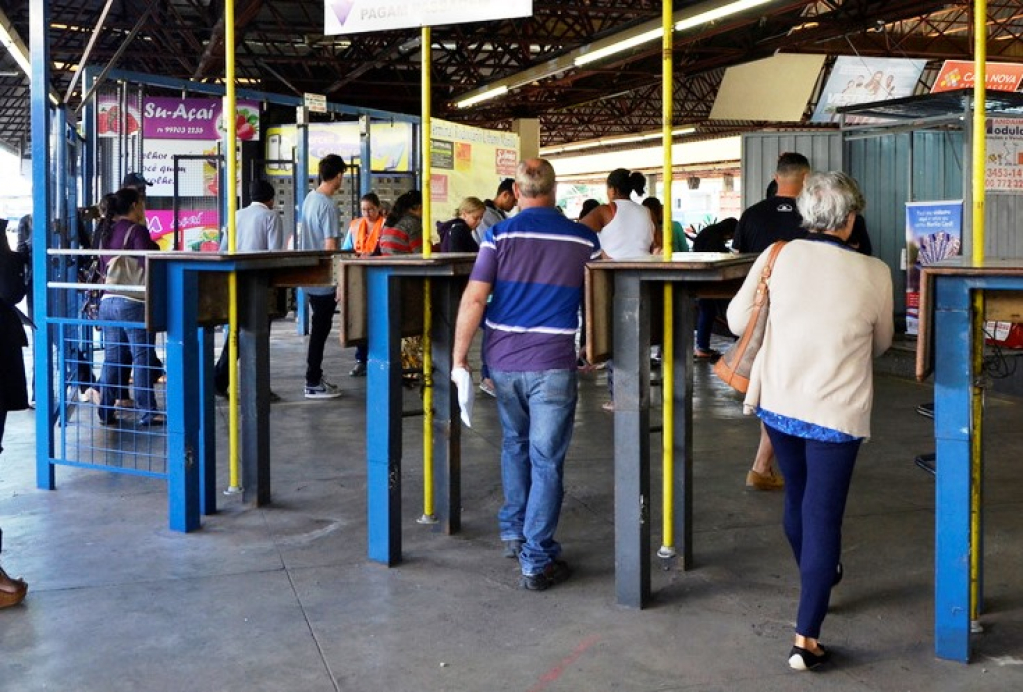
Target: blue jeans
(126, 347)
(817, 476)
(537, 411)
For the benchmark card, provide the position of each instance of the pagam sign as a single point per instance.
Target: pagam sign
(359, 16)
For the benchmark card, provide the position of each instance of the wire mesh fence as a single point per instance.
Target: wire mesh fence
(109, 386)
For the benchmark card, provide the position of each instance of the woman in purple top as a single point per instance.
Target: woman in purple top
(123, 228)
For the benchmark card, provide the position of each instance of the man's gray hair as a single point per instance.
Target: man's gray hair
(535, 178)
(827, 200)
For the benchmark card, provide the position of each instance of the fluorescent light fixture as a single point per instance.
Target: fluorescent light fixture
(15, 47)
(618, 46)
(614, 141)
(484, 96)
(612, 45)
(718, 13)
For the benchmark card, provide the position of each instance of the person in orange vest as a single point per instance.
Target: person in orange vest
(363, 237)
(364, 232)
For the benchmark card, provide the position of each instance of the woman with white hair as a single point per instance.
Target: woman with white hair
(812, 382)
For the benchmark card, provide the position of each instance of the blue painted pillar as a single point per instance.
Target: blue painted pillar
(39, 41)
(365, 155)
(301, 190)
(183, 374)
(952, 381)
(383, 417)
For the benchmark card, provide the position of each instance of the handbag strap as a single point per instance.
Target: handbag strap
(765, 275)
(127, 237)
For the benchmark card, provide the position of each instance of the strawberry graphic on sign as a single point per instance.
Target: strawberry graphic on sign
(112, 121)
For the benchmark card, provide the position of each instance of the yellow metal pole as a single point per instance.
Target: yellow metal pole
(668, 349)
(978, 195)
(428, 515)
(228, 118)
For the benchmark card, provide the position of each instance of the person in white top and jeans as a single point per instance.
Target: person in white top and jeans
(626, 230)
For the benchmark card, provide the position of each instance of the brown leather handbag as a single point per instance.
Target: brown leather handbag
(735, 365)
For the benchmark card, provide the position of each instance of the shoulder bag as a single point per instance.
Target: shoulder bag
(125, 270)
(735, 365)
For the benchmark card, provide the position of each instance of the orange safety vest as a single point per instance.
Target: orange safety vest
(366, 238)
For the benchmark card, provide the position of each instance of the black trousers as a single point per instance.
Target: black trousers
(322, 319)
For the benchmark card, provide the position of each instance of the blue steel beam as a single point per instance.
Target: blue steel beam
(178, 84)
(39, 23)
(301, 190)
(383, 417)
(952, 382)
(183, 435)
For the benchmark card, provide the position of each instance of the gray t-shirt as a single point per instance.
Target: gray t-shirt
(319, 222)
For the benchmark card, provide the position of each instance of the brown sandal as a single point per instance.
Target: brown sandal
(13, 598)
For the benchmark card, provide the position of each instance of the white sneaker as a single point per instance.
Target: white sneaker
(323, 390)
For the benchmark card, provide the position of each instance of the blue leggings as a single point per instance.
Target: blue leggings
(817, 476)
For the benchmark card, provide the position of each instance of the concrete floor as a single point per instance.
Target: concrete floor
(283, 598)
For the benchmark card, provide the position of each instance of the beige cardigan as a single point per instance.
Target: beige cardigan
(831, 311)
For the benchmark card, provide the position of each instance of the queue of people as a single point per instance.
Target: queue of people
(526, 290)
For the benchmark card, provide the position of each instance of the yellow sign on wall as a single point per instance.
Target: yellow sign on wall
(467, 162)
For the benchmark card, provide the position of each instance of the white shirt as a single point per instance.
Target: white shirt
(257, 227)
(630, 233)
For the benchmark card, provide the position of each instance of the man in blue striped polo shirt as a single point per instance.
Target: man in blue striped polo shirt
(533, 264)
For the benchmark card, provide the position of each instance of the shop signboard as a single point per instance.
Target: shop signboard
(196, 118)
(958, 74)
(115, 117)
(390, 146)
(198, 229)
(360, 16)
(442, 154)
(196, 178)
(934, 232)
(479, 160)
(1003, 169)
(863, 80)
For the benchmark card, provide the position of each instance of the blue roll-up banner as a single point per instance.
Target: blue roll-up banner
(934, 231)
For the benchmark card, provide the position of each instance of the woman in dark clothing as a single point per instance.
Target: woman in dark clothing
(456, 234)
(13, 392)
(713, 238)
(122, 228)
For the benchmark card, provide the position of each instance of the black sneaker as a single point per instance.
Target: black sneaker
(512, 548)
(555, 572)
(804, 659)
(359, 370)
